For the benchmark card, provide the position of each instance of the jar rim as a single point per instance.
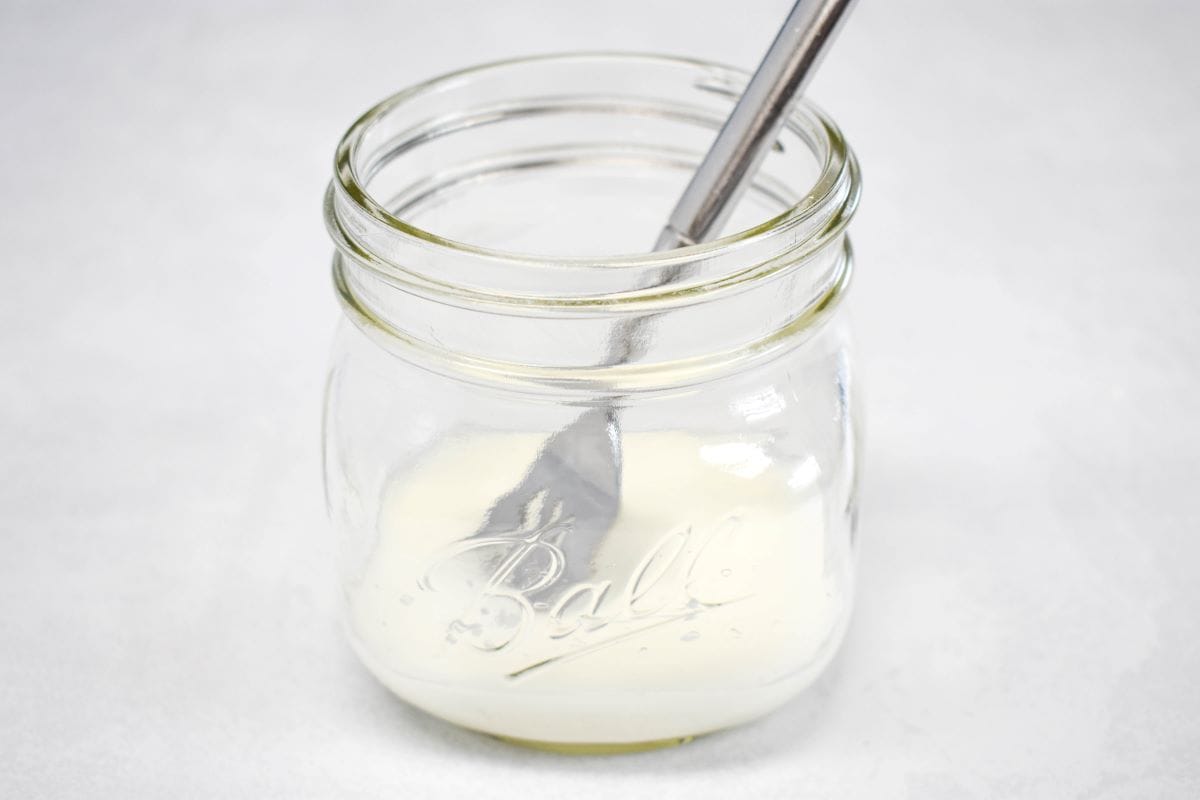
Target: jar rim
(839, 167)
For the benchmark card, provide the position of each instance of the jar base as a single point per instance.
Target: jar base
(597, 749)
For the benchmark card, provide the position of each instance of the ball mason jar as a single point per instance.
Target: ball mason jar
(492, 232)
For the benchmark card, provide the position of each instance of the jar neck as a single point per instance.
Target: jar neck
(579, 319)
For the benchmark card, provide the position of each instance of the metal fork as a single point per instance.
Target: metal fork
(576, 478)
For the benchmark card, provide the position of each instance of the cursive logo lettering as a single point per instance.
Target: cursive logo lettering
(511, 584)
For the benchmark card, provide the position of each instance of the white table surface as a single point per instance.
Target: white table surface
(1026, 303)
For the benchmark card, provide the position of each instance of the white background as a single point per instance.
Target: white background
(1026, 307)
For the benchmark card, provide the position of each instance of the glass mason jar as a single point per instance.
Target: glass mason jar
(492, 231)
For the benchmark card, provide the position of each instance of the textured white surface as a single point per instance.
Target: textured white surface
(1029, 615)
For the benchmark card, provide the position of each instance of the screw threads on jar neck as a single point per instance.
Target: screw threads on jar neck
(554, 135)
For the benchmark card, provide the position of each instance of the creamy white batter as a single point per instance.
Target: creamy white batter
(707, 604)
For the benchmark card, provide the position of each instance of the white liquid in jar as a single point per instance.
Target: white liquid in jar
(708, 603)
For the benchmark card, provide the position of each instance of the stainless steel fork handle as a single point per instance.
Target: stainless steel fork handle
(740, 146)
(746, 136)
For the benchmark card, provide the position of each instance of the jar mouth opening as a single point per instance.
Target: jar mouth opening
(838, 168)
